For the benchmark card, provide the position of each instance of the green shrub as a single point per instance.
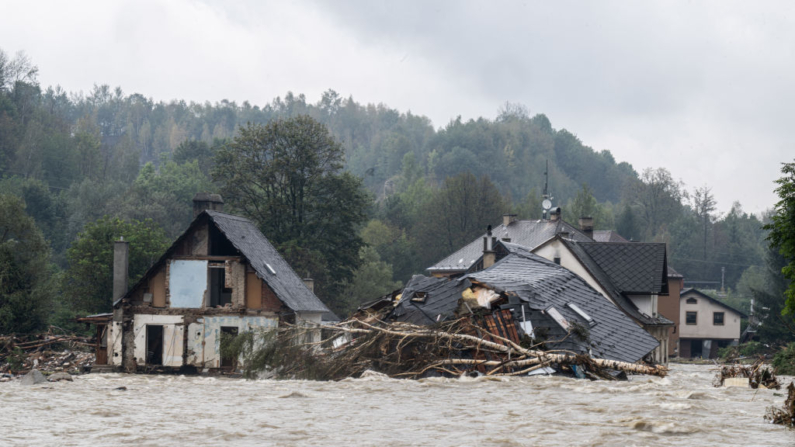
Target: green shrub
(784, 360)
(751, 348)
(728, 353)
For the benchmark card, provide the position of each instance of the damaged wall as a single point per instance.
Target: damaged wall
(204, 336)
(173, 337)
(187, 283)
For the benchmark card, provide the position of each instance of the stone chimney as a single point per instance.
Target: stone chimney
(554, 214)
(309, 283)
(206, 201)
(507, 219)
(121, 249)
(489, 255)
(586, 226)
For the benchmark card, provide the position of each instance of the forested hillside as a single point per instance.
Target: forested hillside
(71, 159)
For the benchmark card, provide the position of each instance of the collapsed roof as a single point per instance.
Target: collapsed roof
(551, 297)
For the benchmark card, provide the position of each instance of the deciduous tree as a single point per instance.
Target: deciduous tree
(287, 176)
(782, 229)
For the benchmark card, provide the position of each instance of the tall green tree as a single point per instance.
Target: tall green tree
(25, 286)
(704, 205)
(88, 282)
(287, 176)
(456, 214)
(782, 229)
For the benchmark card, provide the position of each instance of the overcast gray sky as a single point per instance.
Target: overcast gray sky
(704, 89)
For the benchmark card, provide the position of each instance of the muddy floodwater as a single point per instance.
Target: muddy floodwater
(682, 409)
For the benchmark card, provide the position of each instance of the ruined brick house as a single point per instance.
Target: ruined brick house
(220, 276)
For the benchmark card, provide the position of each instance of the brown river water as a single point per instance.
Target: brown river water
(681, 409)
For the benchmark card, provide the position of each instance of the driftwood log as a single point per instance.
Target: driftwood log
(510, 348)
(450, 348)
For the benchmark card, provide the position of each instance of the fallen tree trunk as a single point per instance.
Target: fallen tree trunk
(511, 348)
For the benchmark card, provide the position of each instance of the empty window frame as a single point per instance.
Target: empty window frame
(717, 318)
(581, 313)
(691, 317)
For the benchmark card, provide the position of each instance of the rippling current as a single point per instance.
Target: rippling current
(681, 409)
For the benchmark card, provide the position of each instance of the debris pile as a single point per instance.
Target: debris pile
(404, 350)
(786, 414)
(47, 352)
(759, 375)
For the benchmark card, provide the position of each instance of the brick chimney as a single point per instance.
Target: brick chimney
(507, 219)
(586, 226)
(206, 201)
(489, 255)
(121, 249)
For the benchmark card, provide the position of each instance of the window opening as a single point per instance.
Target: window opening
(717, 319)
(691, 317)
(692, 301)
(219, 244)
(419, 297)
(219, 294)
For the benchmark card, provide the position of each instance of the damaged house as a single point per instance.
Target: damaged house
(629, 276)
(220, 276)
(527, 295)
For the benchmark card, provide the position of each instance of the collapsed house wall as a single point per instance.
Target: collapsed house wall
(173, 329)
(220, 276)
(204, 336)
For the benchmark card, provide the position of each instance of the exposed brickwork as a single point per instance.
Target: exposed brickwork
(269, 300)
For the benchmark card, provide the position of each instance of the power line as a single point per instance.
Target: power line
(716, 262)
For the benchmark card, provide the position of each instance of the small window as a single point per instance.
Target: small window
(557, 261)
(717, 318)
(690, 317)
(419, 297)
(692, 301)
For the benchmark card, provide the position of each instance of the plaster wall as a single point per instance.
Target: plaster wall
(645, 303)
(187, 283)
(556, 249)
(704, 327)
(204, 336)
(172, 338)
(114, 343)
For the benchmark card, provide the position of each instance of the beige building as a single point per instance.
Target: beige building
(706, 325)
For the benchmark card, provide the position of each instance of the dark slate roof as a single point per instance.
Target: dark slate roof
(253, 245)
(634, 268)
(528, 233)
(441, 300)
(541, 284)
(693, 291)
(613, 291)
(607, 236)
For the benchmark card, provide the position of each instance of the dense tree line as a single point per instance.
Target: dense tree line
(83, 168)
